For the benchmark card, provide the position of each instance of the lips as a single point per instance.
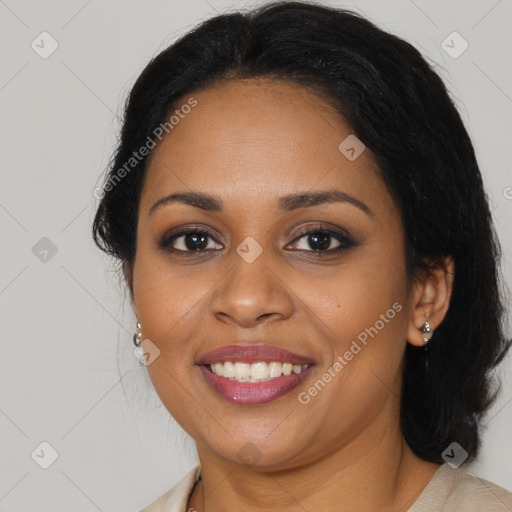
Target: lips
(253, 393)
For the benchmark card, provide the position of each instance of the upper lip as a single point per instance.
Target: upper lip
(253, 353)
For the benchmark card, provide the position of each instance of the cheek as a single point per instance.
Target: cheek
(362, 317)
(165, 308)
(357, 294)
(163, 300)
(361, 311)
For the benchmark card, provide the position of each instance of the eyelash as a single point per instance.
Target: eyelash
(345, 241)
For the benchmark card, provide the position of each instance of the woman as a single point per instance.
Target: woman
(302, 225)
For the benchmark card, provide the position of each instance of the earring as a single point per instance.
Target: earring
(137, 340)
(426, 329)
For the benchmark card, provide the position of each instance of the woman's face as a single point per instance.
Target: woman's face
(336, 299)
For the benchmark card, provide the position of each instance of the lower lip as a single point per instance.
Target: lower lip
(253, 393)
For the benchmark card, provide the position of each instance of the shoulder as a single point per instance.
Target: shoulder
(455, 490)
(175, 500)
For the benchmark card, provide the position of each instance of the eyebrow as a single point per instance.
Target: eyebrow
(286, 203)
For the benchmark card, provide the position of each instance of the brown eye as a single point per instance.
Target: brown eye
(321, 240)
(189, 241)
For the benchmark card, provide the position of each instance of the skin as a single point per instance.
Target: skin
(249, 143)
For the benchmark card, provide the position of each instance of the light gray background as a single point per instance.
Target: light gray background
(65, 320)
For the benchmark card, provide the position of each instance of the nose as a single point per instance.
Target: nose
(252, 293)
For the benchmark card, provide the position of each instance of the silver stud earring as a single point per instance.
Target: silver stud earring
(137, 340)
(426, 329)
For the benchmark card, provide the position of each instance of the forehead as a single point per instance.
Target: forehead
(256, 139)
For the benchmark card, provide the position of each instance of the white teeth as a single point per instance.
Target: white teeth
(259, 371)
(242, 370)
(255, 372)
(228, 371)
(275, 369)
(219, 369)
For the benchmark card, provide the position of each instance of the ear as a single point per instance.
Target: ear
(431, 299)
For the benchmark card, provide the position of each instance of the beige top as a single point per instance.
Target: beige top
(449, 490)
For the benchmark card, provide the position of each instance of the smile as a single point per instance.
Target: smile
(253, 374)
